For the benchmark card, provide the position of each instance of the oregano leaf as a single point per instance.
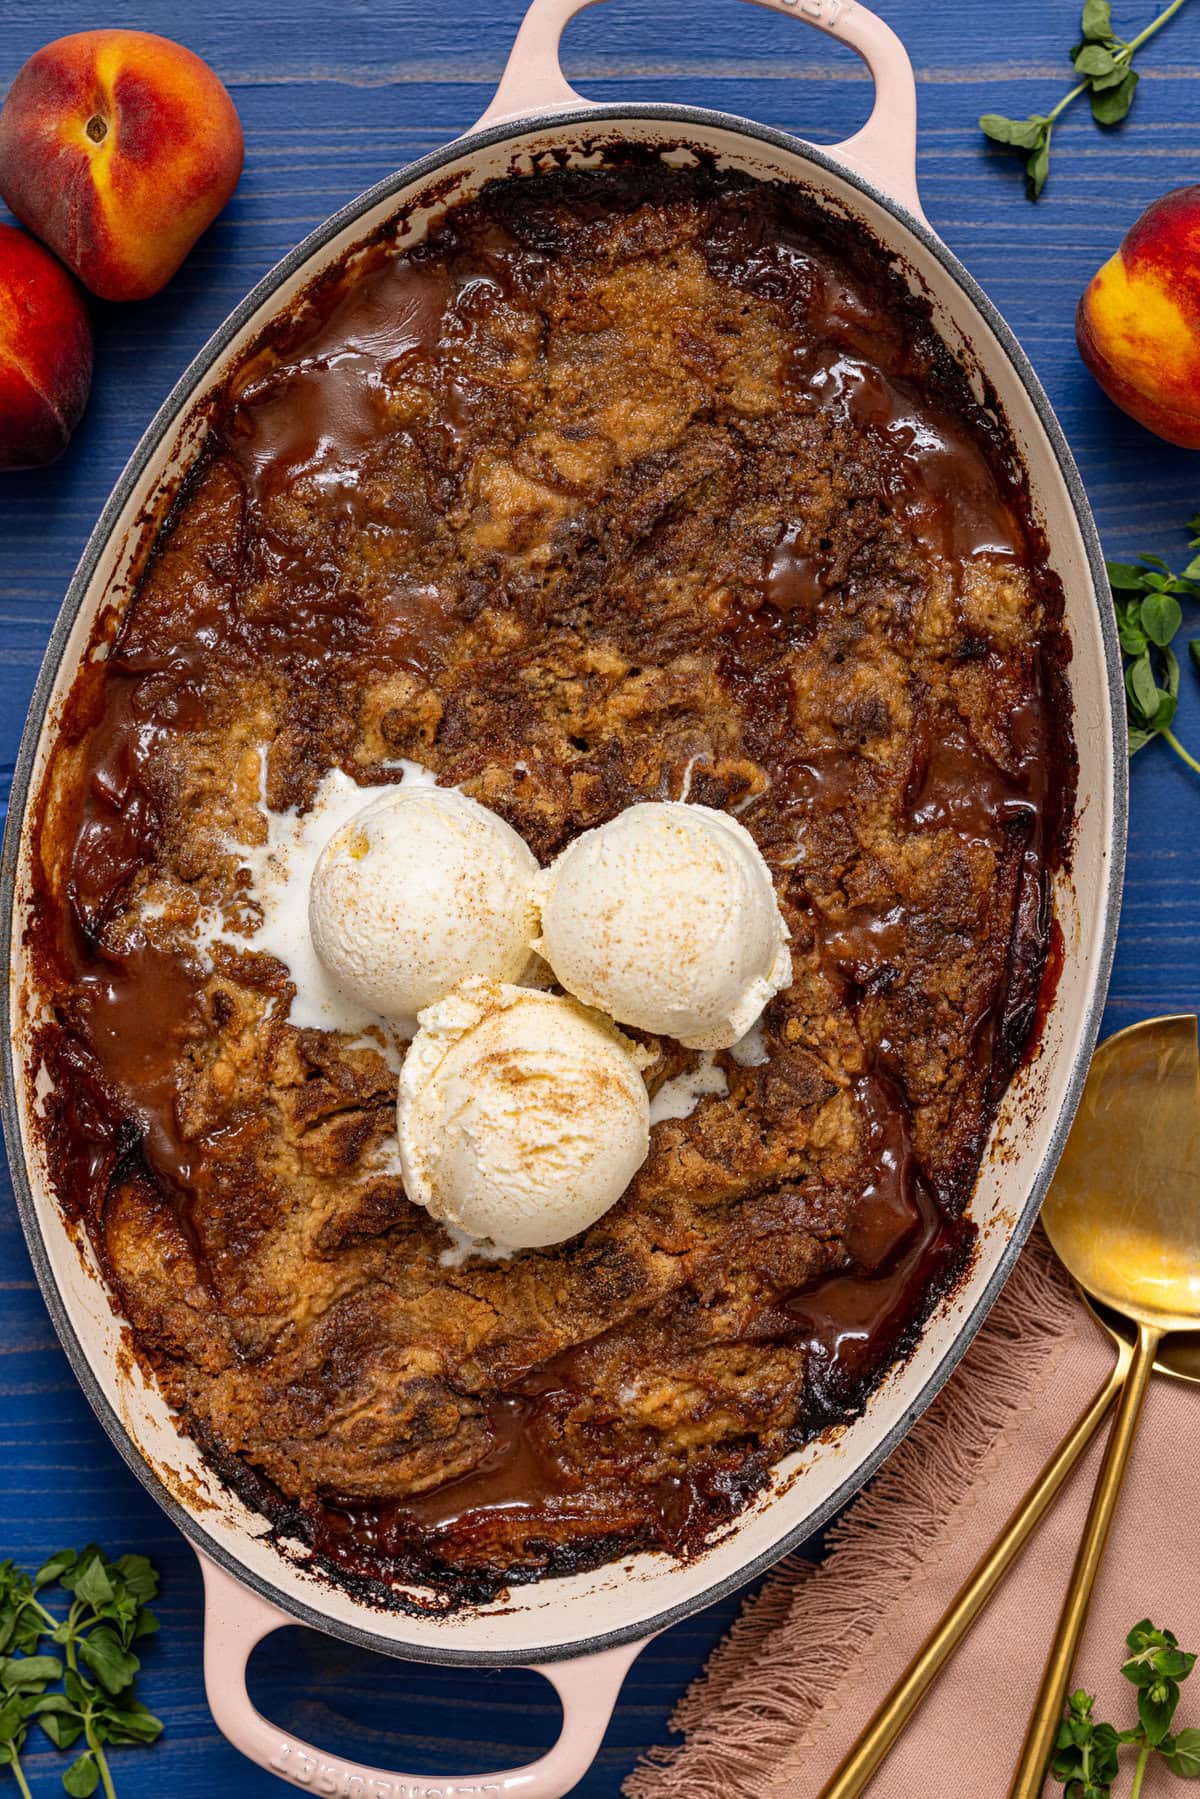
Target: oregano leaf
(1127, 576)
(1184, 1758)
(1111, 104)
(82, 1777)
(997, 127)
(1094, 59)
(1141, 685)
(1162, 616)
(1037, 167)
(1096, 23)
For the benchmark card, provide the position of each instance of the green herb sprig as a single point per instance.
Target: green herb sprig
(1156, 1667)
(108, 1613)
(23, 1697)
(1103, 61)
(1147, 595)
(1087, 1754)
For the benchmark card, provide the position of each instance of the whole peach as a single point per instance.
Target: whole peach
(118, 148)
(45, 353)
(1138, 323)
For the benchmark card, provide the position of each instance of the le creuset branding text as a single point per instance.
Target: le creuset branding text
(824, 12)
(334, 1778)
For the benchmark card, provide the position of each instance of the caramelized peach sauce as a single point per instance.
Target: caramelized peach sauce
(625, 485)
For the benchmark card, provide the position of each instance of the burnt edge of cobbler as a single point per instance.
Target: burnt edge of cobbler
(180, 409)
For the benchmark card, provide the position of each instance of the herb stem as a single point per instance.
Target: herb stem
(97, 1749)
(1180, 751)
(48, 1618)
(1154, 25)
(1146, 1751)
(19, 1773)
(1075, 93)
(72, 1632)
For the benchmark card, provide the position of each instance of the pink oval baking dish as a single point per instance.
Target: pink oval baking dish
(583, 1631)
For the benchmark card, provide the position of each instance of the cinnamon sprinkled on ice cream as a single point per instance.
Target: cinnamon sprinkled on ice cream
(415, 892)
(666, 918)
(523, 1116)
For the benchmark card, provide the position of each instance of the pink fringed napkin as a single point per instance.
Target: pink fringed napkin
(816, 1649)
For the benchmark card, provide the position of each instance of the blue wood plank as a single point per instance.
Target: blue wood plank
(334, 96)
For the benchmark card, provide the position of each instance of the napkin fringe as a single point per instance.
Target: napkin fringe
(746, 1711)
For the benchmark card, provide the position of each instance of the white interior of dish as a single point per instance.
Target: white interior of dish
(560, 1612)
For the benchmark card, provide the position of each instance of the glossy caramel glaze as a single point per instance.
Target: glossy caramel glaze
(625, 482)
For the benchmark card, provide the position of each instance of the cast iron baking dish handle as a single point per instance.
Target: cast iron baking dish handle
(883, 153)
(235, 1620)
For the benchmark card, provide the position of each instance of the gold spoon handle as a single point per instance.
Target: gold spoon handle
(1048, 1707)
(860, 1764)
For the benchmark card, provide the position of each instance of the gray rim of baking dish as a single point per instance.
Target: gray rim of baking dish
(186, 390)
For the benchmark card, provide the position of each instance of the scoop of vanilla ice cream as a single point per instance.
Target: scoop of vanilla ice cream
(421, 888)
(522, 1115)
(666, 918)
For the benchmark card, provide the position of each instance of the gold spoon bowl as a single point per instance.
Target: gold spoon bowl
(1123, 1215)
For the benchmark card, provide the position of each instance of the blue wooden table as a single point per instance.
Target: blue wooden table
(333, 95)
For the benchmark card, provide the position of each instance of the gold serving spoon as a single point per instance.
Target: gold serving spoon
(1123, 1215)
(1178, 1357)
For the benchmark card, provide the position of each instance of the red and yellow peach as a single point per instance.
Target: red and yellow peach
(1138, 323)
(45, 353)
(118, 148)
